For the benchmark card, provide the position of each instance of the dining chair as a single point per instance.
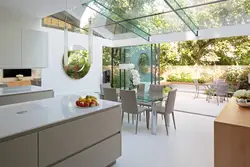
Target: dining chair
(105, 85)
(110, 94)
(141, 89)
(168, 109)
(154, 91)
(129, 105)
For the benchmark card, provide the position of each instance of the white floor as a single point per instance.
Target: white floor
(191, 145)
(186, 102)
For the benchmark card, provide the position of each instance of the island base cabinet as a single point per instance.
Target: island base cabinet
(66, 139)
(232, 146)
(100, 155)
(19, 152)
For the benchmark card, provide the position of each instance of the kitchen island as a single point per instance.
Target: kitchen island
(232, 136)
(11, 95)
(54, 132)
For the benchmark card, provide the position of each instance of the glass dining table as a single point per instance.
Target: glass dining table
(150, 99)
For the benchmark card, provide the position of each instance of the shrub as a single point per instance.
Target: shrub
(166, 89)
(182, 77)
(233, 74)
(243, 79)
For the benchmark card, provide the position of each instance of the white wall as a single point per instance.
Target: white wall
(54, 76)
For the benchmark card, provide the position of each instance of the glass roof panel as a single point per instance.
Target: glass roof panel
(161, 24)
(174, 5)
(129, 9)
(102, 10)
(149, 17)
(188, 3)
(227, 13)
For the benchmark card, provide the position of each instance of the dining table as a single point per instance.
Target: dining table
(147, 98)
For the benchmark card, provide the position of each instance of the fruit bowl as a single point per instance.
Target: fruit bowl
(86, 102)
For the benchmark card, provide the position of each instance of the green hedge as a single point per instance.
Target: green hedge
(183, 77)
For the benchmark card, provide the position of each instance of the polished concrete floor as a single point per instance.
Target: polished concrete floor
(186, 102)
(191, 145)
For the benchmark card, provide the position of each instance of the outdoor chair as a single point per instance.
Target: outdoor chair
(197, 88)
(221, 92)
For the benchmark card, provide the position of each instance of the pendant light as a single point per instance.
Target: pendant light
(66, 38)
(90, 41)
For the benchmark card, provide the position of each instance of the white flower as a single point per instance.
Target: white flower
(242, 94)
(248, 94)
(135, 77)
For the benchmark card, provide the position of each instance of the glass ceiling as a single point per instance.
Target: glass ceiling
(119, 19)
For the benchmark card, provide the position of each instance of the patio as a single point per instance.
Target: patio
(185, 102)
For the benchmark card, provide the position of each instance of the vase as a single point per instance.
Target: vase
(135, 89)
(243, 102)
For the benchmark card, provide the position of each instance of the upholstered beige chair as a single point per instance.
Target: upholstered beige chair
(169, 108)
(129, 105)
(110, 94)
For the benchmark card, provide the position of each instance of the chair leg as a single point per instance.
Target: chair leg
(174, 120)
(166, 123)
(128, 118)
(133, 118)
(217, 100)
(198, 92)
(147, 119)
(137, 120)
(122, 116)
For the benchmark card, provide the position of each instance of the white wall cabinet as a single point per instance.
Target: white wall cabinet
(10, 47)
(22, 48)
(34, 49)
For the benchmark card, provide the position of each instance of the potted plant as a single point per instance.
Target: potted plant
(242, 97)
(134, 79)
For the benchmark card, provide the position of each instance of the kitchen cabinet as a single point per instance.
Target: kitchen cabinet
(54, 133)
(232, 136)
(19, 152)
(23, 48)
(51, 140)
(34, 49)
(10, 47)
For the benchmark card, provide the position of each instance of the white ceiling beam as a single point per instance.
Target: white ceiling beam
(223, 32)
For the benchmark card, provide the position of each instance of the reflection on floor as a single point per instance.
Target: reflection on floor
(191, 145)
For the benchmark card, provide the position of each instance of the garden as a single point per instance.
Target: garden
(182, 62)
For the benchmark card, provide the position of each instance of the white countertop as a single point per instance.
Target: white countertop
(42, 113)
(21, 90)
